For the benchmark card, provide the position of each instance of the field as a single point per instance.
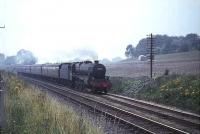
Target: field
(177, 63)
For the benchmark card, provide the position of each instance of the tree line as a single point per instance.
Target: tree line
(23, 57)
(164, 44)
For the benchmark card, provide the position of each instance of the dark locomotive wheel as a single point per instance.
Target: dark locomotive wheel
(76, 85)
(82, 86)
(105, 91)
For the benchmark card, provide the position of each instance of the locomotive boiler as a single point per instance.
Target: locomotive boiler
(91, 75)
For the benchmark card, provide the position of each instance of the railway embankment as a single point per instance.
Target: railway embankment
(139, 116)
(181, 91)
(2, 110)
(28, 110)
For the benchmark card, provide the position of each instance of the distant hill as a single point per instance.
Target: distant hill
(181, 56)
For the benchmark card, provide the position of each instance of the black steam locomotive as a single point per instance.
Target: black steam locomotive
(80, 75)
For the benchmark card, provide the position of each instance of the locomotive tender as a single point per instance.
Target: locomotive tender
(79, 75)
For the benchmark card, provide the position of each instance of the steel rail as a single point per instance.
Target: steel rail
(189, 120)
(187, 114)
(144, 124)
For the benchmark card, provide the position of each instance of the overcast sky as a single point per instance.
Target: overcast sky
(55, 30)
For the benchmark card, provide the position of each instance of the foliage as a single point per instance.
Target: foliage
(130, 51)
(23, 57)
(127, 86)
(2, 58)
(30, 111)
(10, 60)
(181, 91)
(166, 44)
(117, 85)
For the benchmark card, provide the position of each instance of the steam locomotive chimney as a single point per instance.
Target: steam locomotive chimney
(96, 62)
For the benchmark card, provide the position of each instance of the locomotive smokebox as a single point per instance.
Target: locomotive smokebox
(96, 62)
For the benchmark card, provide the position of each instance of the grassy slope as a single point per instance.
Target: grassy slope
(31, 111)
(182, 91)
(192, 55)
(178, 63)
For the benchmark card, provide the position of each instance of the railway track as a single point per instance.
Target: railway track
(185, 121)
(125, 110)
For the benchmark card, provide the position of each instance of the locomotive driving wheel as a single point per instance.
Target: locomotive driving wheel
(82, 85)
(105, 91)
(79, 84)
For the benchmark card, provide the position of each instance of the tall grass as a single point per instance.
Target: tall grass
(176, 90)
(30, 111)
(182, 91)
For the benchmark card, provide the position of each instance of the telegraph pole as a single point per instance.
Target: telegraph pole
(151, 55)
(150, 51)
(2, 109)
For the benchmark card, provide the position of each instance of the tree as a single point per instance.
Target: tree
(165, 44)
(193, 41)
(25, 57)
(2, 58)
(10, 60)
(130, 51)
(184, 48)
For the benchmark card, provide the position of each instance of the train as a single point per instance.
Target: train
(85, 76)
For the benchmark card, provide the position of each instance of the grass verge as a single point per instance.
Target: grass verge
(30, 111)
(182, 91)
